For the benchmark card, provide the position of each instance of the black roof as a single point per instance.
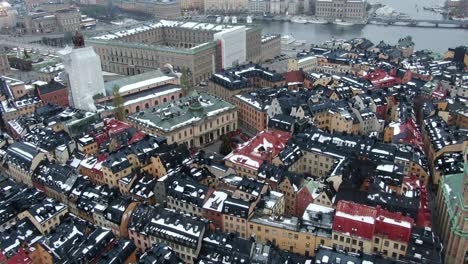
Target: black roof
(22, 154)
(23, 231)
(116, 162)
(160, 254)
(119, 252)
(92, 247)
(46, 138)
(116, 209)
(50, 87)
(218, 246)
(391, 201)
(186, 189)
(237, 207)
(65, 237)
(167, 224)
(424, 246)
(60, 178)
(284, 257)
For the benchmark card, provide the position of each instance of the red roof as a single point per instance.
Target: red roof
(380, 78)
(2, 257)
(264, 146)
(393, 226)
(424, 212)
(19, 258)
(365, 222)
(411, 183)
(139, 135)
(294, 76)
(412, 134)
(355, 219)
(114, 126)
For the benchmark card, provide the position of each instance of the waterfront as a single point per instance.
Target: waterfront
(436, 39)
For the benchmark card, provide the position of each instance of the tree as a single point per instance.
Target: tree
(225, 147)
(184, 80)
(118, 103)
(26, 55)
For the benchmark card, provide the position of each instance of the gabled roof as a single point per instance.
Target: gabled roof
(160, 254)
(228, 247)
(393, 226)
(264, 146)
(93, 246)
(22, 154)
(22, 232)
(65, 238)
(119, 252)
(355, 219)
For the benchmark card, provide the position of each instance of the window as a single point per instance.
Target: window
(395, 246)
(386, 243)
(361, 243)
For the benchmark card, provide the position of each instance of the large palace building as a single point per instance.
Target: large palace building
(201, 47)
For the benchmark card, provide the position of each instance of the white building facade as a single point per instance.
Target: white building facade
(83, 68)
(233, 46)
(341, 9)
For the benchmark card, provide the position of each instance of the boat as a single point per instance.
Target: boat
(341, 22)
(317, 21)
(299, 20)
(287, 40)
(299, 42)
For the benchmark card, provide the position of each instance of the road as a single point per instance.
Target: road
(7, 41)
(25, 41)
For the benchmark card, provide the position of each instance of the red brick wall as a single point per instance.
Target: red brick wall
(303, 199)
(59, 97)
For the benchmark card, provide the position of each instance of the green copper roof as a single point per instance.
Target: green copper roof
(453, 186)
(183, 112)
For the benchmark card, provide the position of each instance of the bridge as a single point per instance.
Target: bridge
(418, 22)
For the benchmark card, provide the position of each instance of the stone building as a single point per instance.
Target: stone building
(149, 225)
(141, 91)
(341, 9)
(156, 8)
(227, 7)
(46, 215)
(259, 6)
(242, 79)
(271, 47)
(4, 64)
(67, 20)
(451, 203)
(23, 159)
(278, 6)
(195, 120)
(196, 46)
(192, 5)
(371, 230)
